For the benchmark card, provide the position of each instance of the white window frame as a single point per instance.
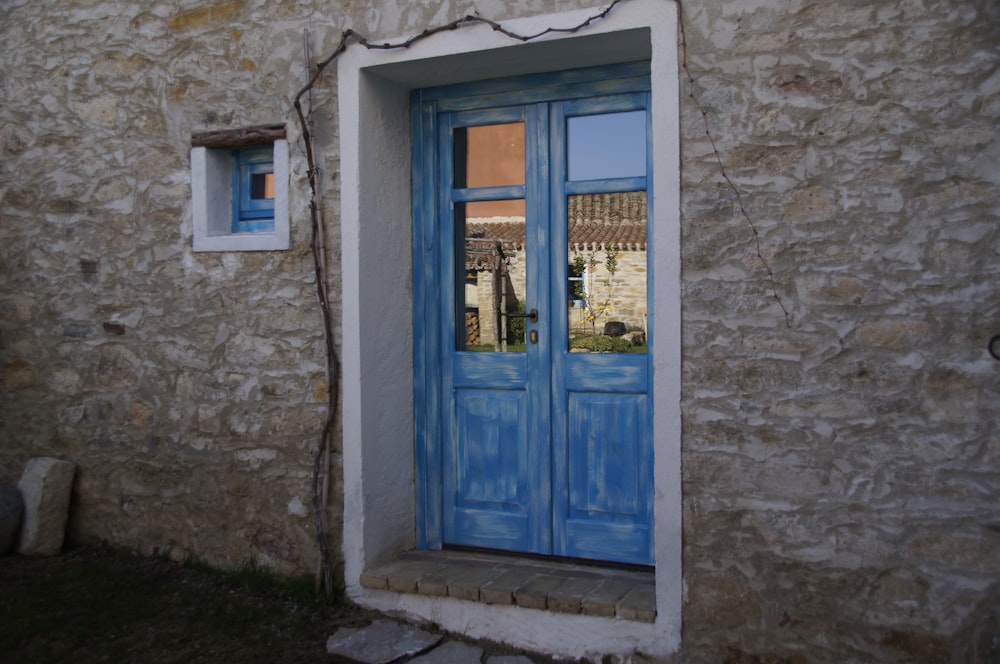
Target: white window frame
(212, 203)
(378, 362)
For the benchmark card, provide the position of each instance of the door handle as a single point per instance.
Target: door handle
(530, 315)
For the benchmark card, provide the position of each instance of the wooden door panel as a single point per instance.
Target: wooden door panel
(608, 477)
(489, 441)
(605, 451)
(485, 491)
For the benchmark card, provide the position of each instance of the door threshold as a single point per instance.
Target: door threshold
(532, 583)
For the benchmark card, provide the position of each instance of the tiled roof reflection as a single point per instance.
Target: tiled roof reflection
(595, 221)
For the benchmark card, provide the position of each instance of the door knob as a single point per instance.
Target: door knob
(530, 315)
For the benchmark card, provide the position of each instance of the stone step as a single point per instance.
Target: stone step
(560, 587)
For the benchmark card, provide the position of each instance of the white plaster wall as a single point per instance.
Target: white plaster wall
(377, 358)
(375, 218)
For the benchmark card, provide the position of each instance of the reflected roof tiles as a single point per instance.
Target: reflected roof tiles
(596, 221)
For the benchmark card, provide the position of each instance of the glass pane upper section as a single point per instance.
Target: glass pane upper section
(607, 272)
(609, 145)
(489, 155)
(490, 276)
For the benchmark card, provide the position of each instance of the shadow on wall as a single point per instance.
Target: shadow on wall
(979, 640)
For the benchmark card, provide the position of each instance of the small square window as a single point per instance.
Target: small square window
(239, 194)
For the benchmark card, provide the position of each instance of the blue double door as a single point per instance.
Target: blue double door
(532, 328)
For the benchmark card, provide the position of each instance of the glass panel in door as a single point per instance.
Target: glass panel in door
(488, 176)
(492, 276)
(607, 272)
(606, 145)
(606, 232)
(489, 155)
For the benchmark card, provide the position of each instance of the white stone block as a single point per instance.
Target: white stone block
(46, 486)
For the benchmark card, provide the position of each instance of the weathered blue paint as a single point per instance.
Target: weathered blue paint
(542, 451)
(609, 477)
(486, 494)
(601, 419)
(426, 330)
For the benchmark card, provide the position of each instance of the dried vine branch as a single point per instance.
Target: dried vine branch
(348, 37)
(332, 357)
(319, 232)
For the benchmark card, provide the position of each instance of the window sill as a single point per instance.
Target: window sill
(241, 242)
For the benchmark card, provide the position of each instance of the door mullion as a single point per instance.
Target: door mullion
(445, 313)
(558, 237)
(539, 353)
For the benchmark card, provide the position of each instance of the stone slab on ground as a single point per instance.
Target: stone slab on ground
(453, 652)
(46, 486)
(381, 642)
(11, 510)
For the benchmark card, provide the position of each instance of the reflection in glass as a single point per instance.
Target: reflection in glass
(489, 156)
(607, 272)
(610, 145)
(490, 275)
(262, 186)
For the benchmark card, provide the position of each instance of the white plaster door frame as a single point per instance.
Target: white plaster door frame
(377, 307)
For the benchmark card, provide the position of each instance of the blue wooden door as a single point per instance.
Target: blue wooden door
(534, 369)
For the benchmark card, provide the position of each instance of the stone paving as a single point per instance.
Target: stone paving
(387, 641)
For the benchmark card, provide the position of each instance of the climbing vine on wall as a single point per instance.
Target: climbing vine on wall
(349, 37)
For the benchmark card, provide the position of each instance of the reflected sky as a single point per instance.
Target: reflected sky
(610, 145)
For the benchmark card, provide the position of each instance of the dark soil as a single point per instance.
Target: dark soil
(98, 604)
(101, 605)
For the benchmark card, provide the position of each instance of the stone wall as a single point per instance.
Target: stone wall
(189, 388)
(841, 471)
(841, 466)
(624, 292)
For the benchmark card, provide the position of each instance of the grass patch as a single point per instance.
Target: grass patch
(604, 344)
(101, 605)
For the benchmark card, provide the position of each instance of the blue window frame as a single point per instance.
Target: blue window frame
(253, 190)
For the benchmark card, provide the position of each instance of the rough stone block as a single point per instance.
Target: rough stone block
(434, 583)
(534, 594)
(381, 642)
(501, 589)
(602, 601)
(46, 486)
(466, 583)
(568, 597)
(639, 604)
(11, 510)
